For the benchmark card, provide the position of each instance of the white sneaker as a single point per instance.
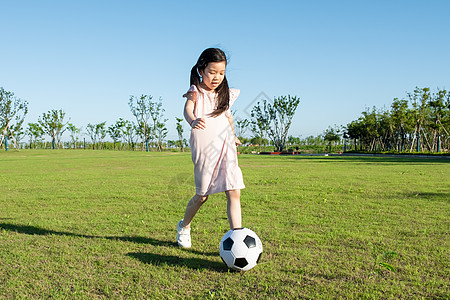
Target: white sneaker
(183, 235)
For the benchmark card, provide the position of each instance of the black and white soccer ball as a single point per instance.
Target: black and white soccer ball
(240, 249)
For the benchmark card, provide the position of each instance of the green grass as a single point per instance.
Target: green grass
(101, 224)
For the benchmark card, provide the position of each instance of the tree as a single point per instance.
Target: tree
(97, 132)
(275, 119)
(260, 123)
(332, 136)
(141, 108)
(160, 134)
(115, 131)
(354, 132)
(402, 122)
(130, 133)
(101, 132)
(445, 121)
(292, 140)
(437, 113)
(36, 133)
(420, 122)
(12, 114)
(386, 129)
(257, 140)
(418, 99)
(74, 134)
(180, 142)
(54, 125)
(158, 128)
(370, 129)
(241, 128)
(144, 109)
(244, 141)
(90, 128)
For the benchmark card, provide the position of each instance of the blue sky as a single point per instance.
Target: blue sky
(339, 57)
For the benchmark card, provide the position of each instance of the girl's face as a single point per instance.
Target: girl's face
(213, 75)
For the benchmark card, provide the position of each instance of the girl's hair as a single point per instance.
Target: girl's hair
(222, 91)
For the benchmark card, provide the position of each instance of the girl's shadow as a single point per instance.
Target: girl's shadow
(33, 230)
(155, 259)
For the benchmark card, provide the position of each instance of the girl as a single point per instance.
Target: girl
(213, 143)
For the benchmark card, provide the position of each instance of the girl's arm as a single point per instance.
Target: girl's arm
(189, 111)
(197, 123)
(230, 120)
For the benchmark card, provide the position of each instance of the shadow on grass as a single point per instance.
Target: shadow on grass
(170, 260)
(429, 196)
(32, 230)
(193, 263)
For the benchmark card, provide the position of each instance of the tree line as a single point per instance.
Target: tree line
(148, 131)
(420, 122)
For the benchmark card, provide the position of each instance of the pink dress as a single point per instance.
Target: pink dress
(213, 149)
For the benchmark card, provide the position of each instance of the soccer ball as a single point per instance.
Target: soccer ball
(240, 249)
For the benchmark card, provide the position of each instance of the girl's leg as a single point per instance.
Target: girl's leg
(234, 208)
(192, 207)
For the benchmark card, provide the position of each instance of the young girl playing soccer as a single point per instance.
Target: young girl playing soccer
(213, 143)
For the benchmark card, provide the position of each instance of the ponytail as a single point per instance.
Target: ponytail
(223, 98)
(195, 76)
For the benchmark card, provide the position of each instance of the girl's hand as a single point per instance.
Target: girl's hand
(237, 141)
(191, 96)
(198, 123)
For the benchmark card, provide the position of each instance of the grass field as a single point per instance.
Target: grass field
(101, 224)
